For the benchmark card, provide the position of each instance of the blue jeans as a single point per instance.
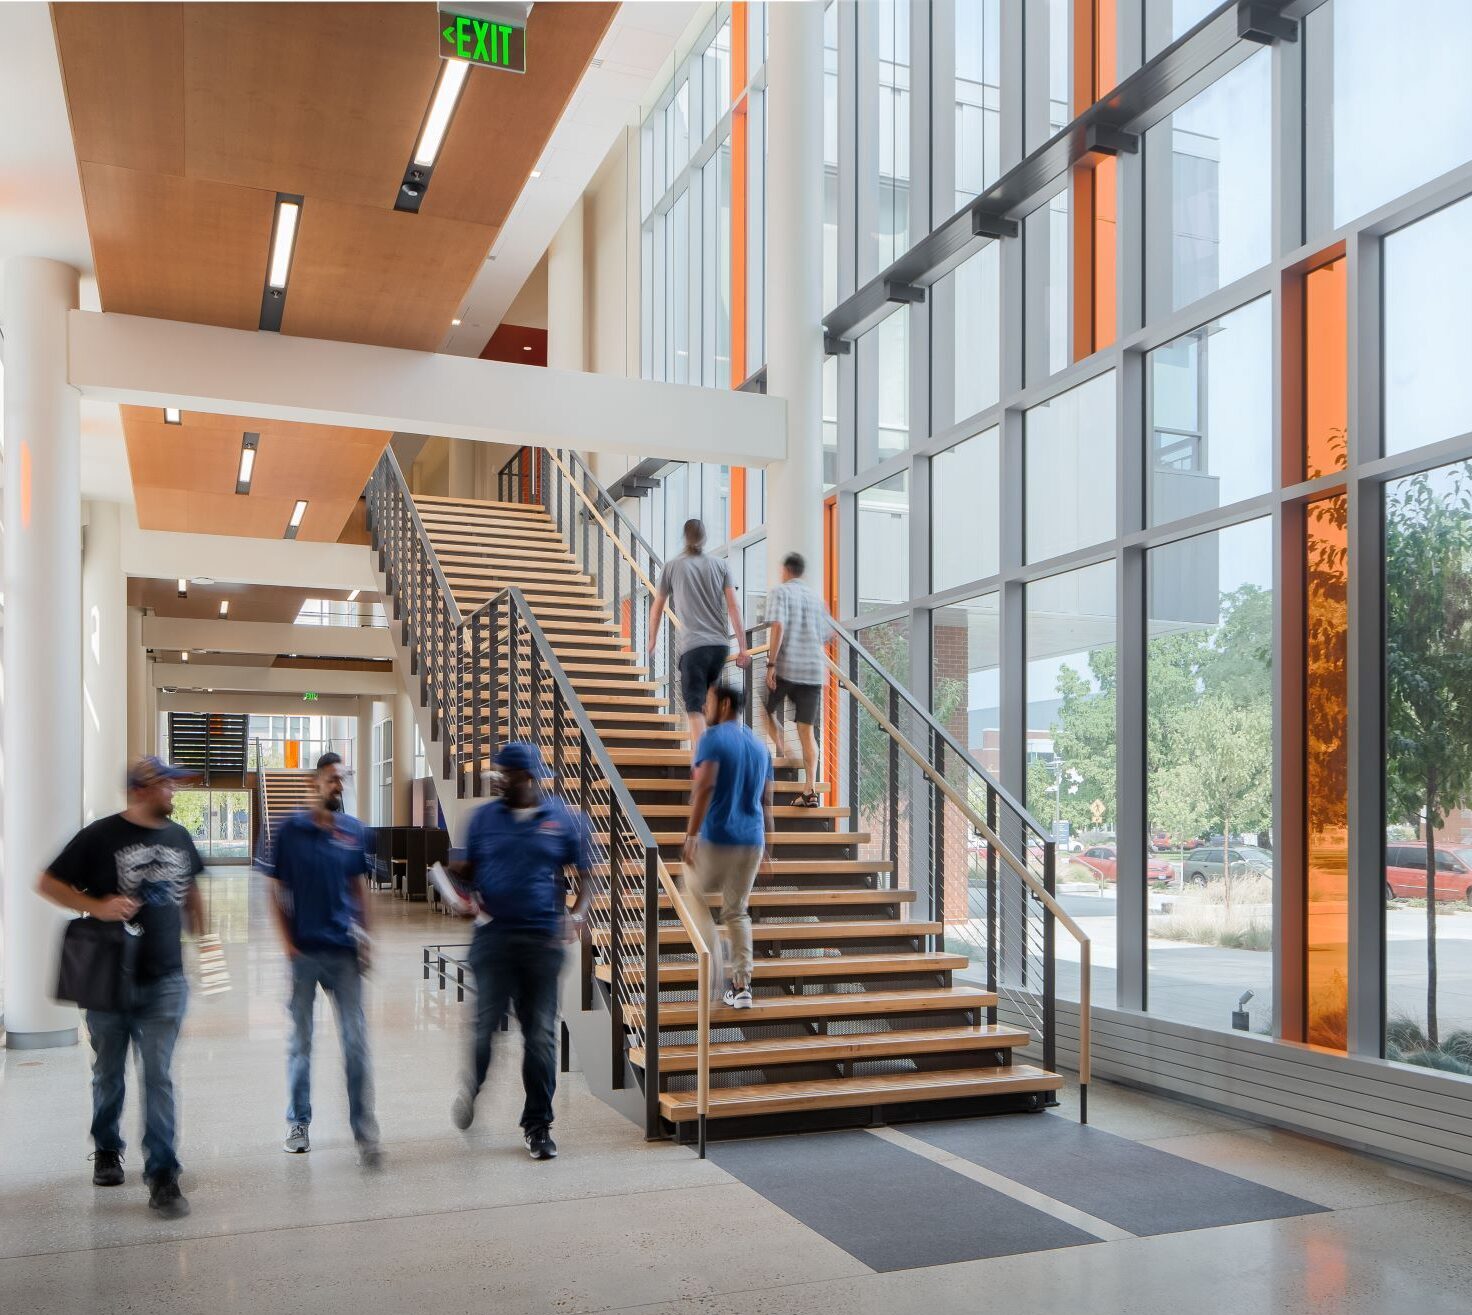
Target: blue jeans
(519, 968)
(337, 972)
(152, 1025)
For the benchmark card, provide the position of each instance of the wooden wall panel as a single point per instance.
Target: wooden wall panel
(178, 248)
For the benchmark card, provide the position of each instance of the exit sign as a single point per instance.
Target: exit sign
(310, 696)
(486, 39)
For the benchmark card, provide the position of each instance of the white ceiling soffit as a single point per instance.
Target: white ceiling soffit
(634, 51)
(41, 210)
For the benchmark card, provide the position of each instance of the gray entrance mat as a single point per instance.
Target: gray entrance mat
(887, 1207)
(1135, 1187)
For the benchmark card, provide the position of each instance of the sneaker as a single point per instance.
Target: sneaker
(166, 1199)
(539, 1142)
(462, 1109)
(737, 998)
(107, 1168)
(370, 1155)
(297, 1142)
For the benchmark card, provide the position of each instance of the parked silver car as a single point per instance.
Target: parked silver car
(1205, 864)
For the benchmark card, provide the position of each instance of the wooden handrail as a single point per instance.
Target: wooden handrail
(618, 543)
(703, 987)
(979, 825)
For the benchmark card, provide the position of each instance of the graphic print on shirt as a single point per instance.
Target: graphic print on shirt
(153, 874)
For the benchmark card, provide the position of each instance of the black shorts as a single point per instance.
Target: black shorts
(700, 668)
(806, 700)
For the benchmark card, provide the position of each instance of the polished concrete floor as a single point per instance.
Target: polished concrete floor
(466, 1222)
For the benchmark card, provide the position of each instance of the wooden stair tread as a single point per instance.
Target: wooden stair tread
(833, 965)
(822, 866)
(439, 499)
(791, 899)
(683, 785)
(835, 1049)
(872, 1089)
(876, 929)
(826, 1004)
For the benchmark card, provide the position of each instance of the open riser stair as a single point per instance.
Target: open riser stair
(526, 620)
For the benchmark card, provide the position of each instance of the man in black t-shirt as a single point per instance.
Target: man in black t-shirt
(138, 867)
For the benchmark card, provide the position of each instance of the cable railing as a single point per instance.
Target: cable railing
(263, 814)
(492, 677)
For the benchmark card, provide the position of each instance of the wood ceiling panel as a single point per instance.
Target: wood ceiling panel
(184, 475)
(320, 99)
(380, 276)
(504, 121)
(178, 248)
(248, 602)
(123, 67)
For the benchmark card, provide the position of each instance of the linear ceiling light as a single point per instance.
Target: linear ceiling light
(278, 270)
(184, 656)
(432, 133)
(247, 462)
(297, 513)
(353, 597)
(183, 587)
(171, 415)
(224, 608)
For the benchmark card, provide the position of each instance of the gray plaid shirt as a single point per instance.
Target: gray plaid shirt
(805, 629)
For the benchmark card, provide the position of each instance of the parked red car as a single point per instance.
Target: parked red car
(1405, 873)
(1103, 862)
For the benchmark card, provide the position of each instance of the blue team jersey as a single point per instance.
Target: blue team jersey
(735, 815)
(318, 869)
(517, 864)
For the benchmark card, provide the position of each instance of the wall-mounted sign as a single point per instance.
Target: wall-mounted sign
(310, 696)
(492, 35)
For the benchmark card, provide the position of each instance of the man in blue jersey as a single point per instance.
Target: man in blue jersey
(726, 841)
(517, 851)
(321, 909)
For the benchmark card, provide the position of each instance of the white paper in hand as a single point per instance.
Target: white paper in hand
(214, 976)
(451, 893)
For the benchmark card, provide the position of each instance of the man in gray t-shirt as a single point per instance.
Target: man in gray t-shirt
(701, 598)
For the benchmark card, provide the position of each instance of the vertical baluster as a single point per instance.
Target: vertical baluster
(651, 997)
(894, 786)
(938, 841)
(496, 688)
(855, 711)
(513, 686)
(534, 665)
(1050, 965)
(993, 914)
(616, 944)
(477, 700)
(559, 715)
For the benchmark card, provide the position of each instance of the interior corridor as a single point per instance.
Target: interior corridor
(466, 1222)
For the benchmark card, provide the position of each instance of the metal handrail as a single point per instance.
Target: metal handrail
(703, 962)
(434, 561)
(265, 818)
(606, 497)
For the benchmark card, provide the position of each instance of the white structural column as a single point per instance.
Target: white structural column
(140, 686)
(460, 475)
(43, 640)
(363, 759)
(795, 281)
(403, 758)
(105, 663)
(565, 294)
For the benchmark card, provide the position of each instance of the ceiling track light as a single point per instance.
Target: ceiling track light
(284, 229)
(172, 416)
(295, 523)
(248, 445)
(432, 132)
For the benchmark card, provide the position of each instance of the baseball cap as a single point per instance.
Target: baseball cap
(151, 769)
(519, 756)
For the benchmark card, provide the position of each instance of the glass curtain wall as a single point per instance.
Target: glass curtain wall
(1213, 555)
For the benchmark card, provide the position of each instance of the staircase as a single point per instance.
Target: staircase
(875, 1000)
(279, 794)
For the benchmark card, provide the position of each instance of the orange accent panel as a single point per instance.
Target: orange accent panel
(1326, 704)
(1326, 376)
(738, 242)
(738, 501)
(292, 753)
(740, 18)
(1106, 44)
(1105, 253)
(1093, 201)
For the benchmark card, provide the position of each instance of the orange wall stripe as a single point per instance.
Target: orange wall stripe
(738, 501)
(1093, 199)
(1326, 374)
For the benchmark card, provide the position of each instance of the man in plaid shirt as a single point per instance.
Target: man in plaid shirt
(796, 667)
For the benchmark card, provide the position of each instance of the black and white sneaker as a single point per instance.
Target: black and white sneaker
(540, 1144)
(297, 1142)
(737, 997)
(107, 1168)
(165, 1198)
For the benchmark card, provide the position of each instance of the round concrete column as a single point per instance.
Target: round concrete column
(106, 662)
(403, 758)
(795, 281)
(138, 691)
(43, 637)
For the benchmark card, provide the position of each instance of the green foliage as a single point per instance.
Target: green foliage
(1428, 666)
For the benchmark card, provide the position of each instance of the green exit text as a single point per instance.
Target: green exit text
(485, 42)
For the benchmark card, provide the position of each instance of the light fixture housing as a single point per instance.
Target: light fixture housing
(536, 173)
(295, 523)
(284, 229)
(432, 132)
(353, 597)
(248, 445)
(455, 323)
(172, 416)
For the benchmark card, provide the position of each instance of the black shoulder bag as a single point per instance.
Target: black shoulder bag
(98, 961)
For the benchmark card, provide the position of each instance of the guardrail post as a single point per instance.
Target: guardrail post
(993, 917)
(513, 687)
(854, 712)
(894, 788)
(1050, 966)
(651, 997)
(938, 832)
(616, 950)
(534, 678)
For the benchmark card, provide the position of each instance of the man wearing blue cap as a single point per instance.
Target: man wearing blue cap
(137, 867)
(517, 851)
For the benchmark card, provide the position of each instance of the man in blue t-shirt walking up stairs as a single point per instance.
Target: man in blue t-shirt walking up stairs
(726, 842)
(321, 908)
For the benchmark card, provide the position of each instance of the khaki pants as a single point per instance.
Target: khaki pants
(730, 872)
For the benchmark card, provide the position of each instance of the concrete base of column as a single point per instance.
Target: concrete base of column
(65, 1036)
